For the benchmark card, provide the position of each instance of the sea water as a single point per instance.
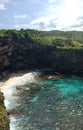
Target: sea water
(34, 103)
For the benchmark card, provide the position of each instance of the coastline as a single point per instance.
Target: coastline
(4, 119)
(7, 84)
(13, 79)
(21, 79)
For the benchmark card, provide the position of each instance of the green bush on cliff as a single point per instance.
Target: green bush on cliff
(57, 39)
(4, 123)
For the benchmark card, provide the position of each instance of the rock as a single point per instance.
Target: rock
(6, 62)
(15, 56)
(4, 120)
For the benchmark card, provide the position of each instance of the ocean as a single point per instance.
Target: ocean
(36, 103)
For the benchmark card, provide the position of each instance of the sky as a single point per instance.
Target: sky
(46, 15)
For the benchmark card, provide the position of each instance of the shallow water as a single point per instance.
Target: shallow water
(36, 104)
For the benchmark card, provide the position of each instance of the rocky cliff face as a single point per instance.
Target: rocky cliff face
(19, 56)
(4, 121)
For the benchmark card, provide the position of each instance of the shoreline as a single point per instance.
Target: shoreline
(19, 77)
(14, 79)
(4, 119)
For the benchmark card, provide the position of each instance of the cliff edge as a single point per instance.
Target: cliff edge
(4, 120)
(16, 56)
(30, 49)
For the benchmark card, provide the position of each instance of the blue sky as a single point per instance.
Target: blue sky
(41, 14)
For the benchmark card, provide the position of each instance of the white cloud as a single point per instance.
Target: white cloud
(2, 7)
(2, 4)
(59, 15)
(19, 26)
(45, 15)
(20, 16)
(70, 12)
(44, 23)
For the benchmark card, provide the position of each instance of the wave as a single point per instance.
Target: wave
(11, 94)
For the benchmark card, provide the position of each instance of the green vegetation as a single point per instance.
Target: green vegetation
(4, 123)
(18, 57)
(57, 39)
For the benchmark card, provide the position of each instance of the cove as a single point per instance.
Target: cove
(44, 104)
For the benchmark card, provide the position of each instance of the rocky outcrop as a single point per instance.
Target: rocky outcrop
(16, 56)
(4, 120)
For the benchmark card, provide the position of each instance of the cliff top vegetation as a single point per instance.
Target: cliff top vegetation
(55, 38)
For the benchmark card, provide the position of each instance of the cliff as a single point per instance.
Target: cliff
(4, 121)
(19, 55)
(21, 50)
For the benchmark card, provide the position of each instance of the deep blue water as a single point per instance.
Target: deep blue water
(56, 105)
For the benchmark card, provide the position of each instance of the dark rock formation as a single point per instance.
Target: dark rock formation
(16, 56)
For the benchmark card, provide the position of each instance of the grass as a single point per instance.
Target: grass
(4, 122)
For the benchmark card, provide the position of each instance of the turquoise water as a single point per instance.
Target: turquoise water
(56, 105)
